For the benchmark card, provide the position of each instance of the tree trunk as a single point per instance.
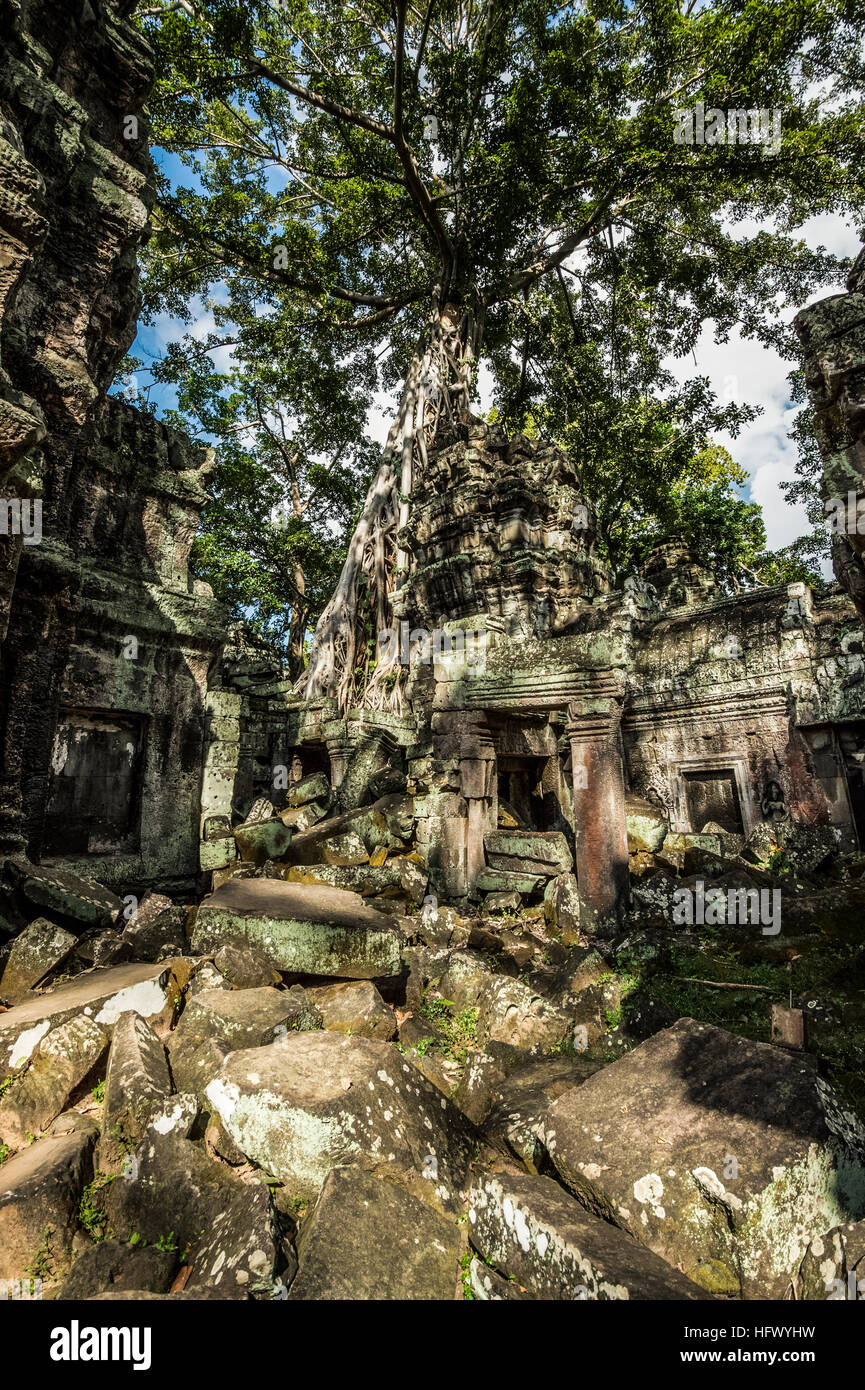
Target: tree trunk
(436, 390)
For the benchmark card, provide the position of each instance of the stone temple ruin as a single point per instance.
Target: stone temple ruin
(199, 864)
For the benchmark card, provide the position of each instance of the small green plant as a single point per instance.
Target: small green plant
(465, 1266)
(91, 1216)
(99, 1092)
(167, 1243)
(42, 1264)
(5, 1151)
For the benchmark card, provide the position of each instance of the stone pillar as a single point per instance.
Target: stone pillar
(599, 811)
(466, 802)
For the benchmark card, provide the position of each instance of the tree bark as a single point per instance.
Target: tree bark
(436, 390)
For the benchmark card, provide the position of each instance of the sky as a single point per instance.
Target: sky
(740, 369)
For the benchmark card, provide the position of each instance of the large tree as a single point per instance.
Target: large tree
(392, 188)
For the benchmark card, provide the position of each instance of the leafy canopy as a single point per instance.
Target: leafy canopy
(345, 166)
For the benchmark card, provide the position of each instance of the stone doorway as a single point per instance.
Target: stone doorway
(94, 798)
(521, 789)
(712, 795)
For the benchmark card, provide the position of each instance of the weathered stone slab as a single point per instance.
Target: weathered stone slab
(315, 1100)
(239, 1018)
(258, 841)
(314, 930)
(510, 1011)
(530, 1229)
(172, 1188)
(156, 929)
(39, 1092)
(80, 899)
(40, 1192)
(356, 1008)
(502, 881)
(647, 826)
(112, 1265)
(244, 969)
(241, 1253)
(562, 907)
(542, 851)
(654, 1140)
(369, 1239)
(365, 879)
(138, 1082)
(316, 787)
(38, 950)
(102, 995)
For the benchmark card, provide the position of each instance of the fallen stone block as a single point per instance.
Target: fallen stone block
(259, 841)
(194, 1061)
(217, 854)
(78, 899)
(365, 879)
(647, 826)
(138, 1082)
(371, 1240)
(724, 1156)
(39, 1091)
(245, 969)
(40, 1193)
(528, 1228)
(504, 881)
(316, 787)
(112, 1265)
(562, 907)
(243, 1252)
(529, 851)
(464, 979)
(240, 1018)
(356, 1008)
(510, 1011)
(314, 931)
(101, 995)
(172, 1191)
(37, 951)
(314, 1100)
(157, 929)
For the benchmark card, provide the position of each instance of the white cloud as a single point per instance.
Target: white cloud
(744, 370)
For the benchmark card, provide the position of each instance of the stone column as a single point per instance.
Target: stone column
(599, 811)
(466, 801)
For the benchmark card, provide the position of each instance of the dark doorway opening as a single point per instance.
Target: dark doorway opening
(851, 740)
(94, 798)
(713, 795)
(520, 788)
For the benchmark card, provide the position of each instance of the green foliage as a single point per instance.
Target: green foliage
(90, 1214)
(42, 1265)
(456, 1031)
(527, 171)
(5, 1151)
(99, 1092)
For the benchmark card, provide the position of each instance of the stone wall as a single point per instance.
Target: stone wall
(109, 646)
(125, 643)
